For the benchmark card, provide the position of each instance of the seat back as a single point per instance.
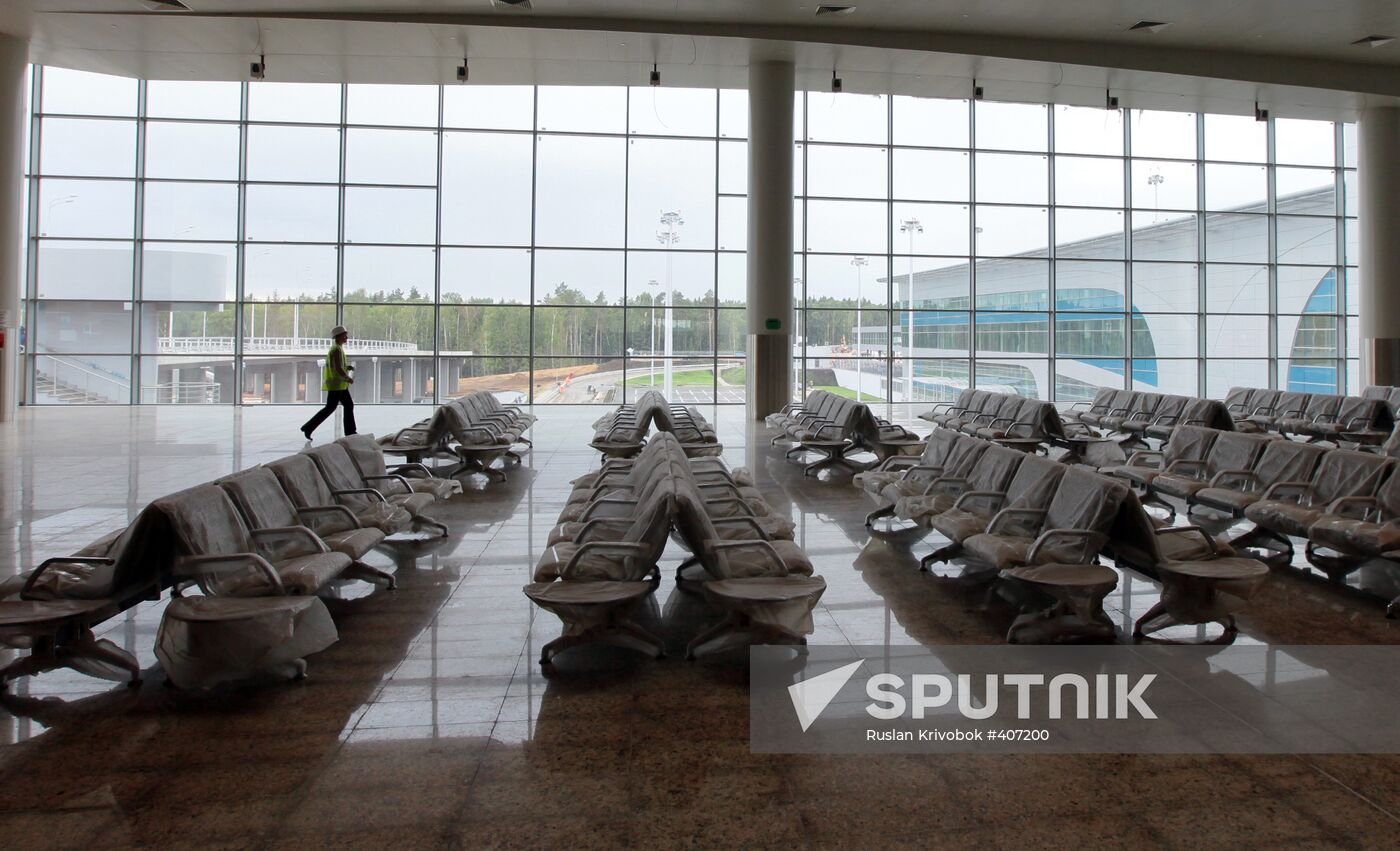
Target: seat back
(1102, 399)
(1145, 405)
(940, 441)
(1123, 400)
(1234, 451)
(1035, 483)
(650, 525)
(1172, 407)
(1346, 473)
(1392, 401)
(1322, 406)
(1357, 414)
(1207, 412)
(1262, 400)
(1378, 392)
(1237, 400)
(1289, 405)
(204, 521)
(340, 473)
(963, 456)
(1085, 500)
(1287, 461)
(994, 469)
(364, 454)
(259, 497)
(302, 480)
(1189, 443)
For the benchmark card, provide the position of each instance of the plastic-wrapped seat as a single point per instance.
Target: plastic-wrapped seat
(1099, 405)
(346, 482)
(1290, 507)
(991, 472)
(204, 641)
(1070, 530)
(228, 559)
(476, 445)
(1120, 405)
(765, 589)
(935, 451)
(1032, 487)
(941, 410)
(259, 497)
(1201, 583)
(364, 452)
(1358, 528)
(56, 606)
(304, 482)
(594, 586)
(1143, 407)
(1197, 412)
(419, 441)
(1318, 407)
(1233, 490)
(1187, 443)
(1183, 478)
(1362, 420)
(792, 411)
(1169, 410)
(916, 480)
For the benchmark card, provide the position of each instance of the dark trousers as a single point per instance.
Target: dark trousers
(333, 398)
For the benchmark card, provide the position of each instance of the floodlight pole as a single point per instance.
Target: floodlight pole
(859, 263)
(910, 226)
(668, 236)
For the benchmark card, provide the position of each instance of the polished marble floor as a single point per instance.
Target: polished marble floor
(429, 724)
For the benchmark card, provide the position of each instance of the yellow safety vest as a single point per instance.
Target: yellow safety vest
(330, 379)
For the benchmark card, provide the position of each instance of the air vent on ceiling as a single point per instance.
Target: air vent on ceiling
(1149, 26)
(512, 4)
(825, 9)
(165, 5)
(1374, 41)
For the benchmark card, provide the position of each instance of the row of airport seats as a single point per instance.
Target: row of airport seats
(1040, 526)
(1367, 419)
(622, 433)
(1343, 504)
(602, 558)
(474, 430)
(259, 544)
(1007, 418)
(834, 427)
(1139, 416)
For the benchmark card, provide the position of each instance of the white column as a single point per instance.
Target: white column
(1378, 179)
(770, 238)
(14, 56)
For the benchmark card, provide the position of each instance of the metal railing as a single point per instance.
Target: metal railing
(182, 393)
(87, 382)
(309, 345)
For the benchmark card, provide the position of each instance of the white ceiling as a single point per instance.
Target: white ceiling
(1293, 56)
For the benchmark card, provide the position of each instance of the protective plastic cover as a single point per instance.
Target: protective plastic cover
(204, 641)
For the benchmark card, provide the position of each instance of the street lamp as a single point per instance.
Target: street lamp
(910, 226)
(860, 263)
(1155, 180)
(668, 235)
(651, 353)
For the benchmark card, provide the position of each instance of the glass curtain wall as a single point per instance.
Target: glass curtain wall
(1054, 249)
(195, 242)
(192, 243)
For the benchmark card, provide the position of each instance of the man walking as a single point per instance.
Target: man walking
(336, 381)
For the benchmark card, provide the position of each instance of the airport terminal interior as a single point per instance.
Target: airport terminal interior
(675, 333)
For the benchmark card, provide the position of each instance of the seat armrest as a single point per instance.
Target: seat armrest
(1246, 478)
(206, 566)
(371, 492)
(1010, 516)
(1346, 505)
(413, 467)
(605, 500)
(1089, 540)
(733, 500)
(937, 470)
(895, 461)
(341, 511)
(947, 484)
(992, 498)
(1190, 530)
(1187, 467)
(50, 562)
(1087, 406)
(1030, 429)
(1282, 490)
(1143, 455)
(264, 537)
(619, 547)
(391, 477)
(1166, 419)
(590, 525)
(762, 546)
(743, 521)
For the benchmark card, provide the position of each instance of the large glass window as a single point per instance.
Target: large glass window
(194, 243)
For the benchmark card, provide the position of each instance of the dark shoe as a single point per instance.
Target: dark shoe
(306, 434)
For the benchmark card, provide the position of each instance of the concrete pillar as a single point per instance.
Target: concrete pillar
(1378, 179)
(284, 383)
(14, 56)
(770, 238)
